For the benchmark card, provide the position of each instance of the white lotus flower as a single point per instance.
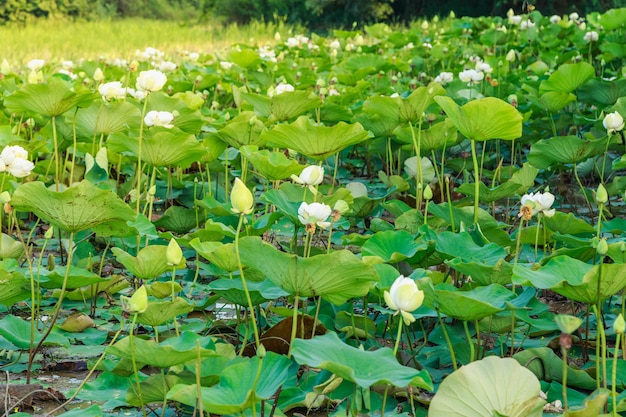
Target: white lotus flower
(151, 80)
(335, 44)
(36, 64)
(613, 122)
(404, 297)
(159, 118)
(444, 77)
(484, 67)
(137, 94)
(539, 202)
(167, 66)
(311, 175)
(471, 76)
(291, 42)
(11, 153)
(515, 19)
(225, 65)
(554, 19)
(527, 24)
(573, 16)
(112, 90)
(20, 168)
(314, 214)
(591, 36)
(283, 88)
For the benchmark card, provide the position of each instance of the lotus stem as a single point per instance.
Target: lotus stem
(565, 353)
(198, 375)
(614, 374)
(57, 161)
(395, 352)
(476, 181)
(469, 340)
(131, 341)
(417, 145)
(582, 190)
(448, 341)
(57, 307)
(139, 154)
(294, 324)
(245, 285)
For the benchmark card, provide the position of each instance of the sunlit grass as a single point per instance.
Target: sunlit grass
(120, 38)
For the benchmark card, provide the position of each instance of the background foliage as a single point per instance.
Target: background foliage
(314, 13)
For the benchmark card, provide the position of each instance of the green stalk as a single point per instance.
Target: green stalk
(469, 340)
(565, 353)
(476, 180)
(614, 374)
(131, 341)
(139, 153)
(448, 341)
(294, 324)
(57, 161)
(198, 385)
(245, 285)
(395, 352)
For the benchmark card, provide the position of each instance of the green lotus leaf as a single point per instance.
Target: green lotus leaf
(272, 165)
(370, 61)
(548, 366)
(160, 312)
(232, 291)
(574, 279)
(568, 77)
(50, 99)
(336, 277)
(76, 277)
(239, 131)
(317, 142)
(436, 137)
(563, 149)
(391, 246)
(171, 352)
(245, 58)
(364, 368)
(154, 389)
(484, 274)
(222, 255)
(242, 385)
(612, 19)
(18, 332)
(186, 119)
(291, 104)
(483, 119)
(471, 305)
(149, 263)
(490, 195)
(568, 223)
(592, 406)
(14, 287)
(178, 219)
(78, 208)
(490, 387)
(413, 107)
(381, 115)
(106, 118)
(161, 147)
(461, 245)
(10, 248)
(281, 200)
(602, 92)
(262, 104)
(554, 101)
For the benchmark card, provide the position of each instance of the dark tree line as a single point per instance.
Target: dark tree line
(312, 13)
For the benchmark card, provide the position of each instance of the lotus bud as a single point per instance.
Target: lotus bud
(138, 303)
(619, 325)
(49, 233)
(261, 352)
(241, 199)
(174, 253)
(98, 75)
(50, 262)
(601, 195)
(613, 122)
(404, 297)
(603, 247)
(5, 197)
(428, 193)
(341, 207)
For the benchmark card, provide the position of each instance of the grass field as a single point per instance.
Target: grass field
(120, 38)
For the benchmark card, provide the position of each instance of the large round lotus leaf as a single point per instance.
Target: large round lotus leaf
(613, 18)
(603, 92)
(483, 119)
(317, 142)
(381, 115)
(413, 107)
(568, 77)
(563, 149)
(364, 368)
(232, 291)
(161, 147)
(165, 354)
(221, 254)
(574, 279)
(105, 118)
(239, 131)
(436, 137)
(490, 387)
(9, 247)
(470, 305)
(149, 263)
(554, 101)
(242, 385)
(336, 277)
(77, 208)
(51, 99)
(245, 58)
(292, 104)
(272, 165)
(391, 246)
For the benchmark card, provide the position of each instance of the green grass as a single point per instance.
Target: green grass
(120, 38)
